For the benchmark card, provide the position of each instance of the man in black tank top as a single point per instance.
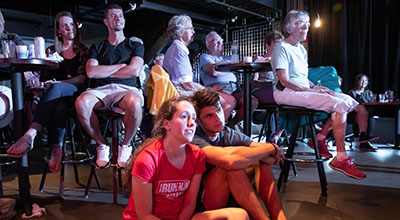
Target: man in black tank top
(113, 69)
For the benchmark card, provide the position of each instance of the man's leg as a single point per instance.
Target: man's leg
(244, 194)
(132, 106)
(84, 105)
(266, 187)
(216, 189)
(228, 103)
(239, 114)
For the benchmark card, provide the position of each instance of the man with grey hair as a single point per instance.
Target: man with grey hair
(227, 81)
(289, 61)
(113, 65)
(177, 62)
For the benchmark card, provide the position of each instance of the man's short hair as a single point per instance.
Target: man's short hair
(204, 98)
(210, 34)
(273, 37)
(112, 6)
(176, 25)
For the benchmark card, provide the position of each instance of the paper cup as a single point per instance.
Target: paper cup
(22, 51)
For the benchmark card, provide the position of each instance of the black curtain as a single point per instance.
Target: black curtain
(357, 36)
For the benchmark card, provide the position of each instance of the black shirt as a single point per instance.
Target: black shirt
(108, 54)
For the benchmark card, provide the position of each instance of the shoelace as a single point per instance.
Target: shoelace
(124, 154)
(103, 153)
(351, 162)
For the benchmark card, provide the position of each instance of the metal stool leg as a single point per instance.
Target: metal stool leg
(289, 154)
(114, 157)
(321, 171)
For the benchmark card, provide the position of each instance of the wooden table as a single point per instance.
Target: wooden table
(15, 67)
(387, 109)
(247, 69)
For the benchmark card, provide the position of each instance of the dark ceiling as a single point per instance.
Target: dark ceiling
(150, 18)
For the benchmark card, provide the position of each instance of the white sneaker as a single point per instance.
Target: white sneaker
(124, 153)
(103, 156)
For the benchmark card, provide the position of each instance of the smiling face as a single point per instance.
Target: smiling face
(212, 119)
(182, 125)
(115, 20)
(215, 44)
(363, 83)
(301, 26)
(66, 28)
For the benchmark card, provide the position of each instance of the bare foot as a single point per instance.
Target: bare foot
(21, 147)
(55, 161)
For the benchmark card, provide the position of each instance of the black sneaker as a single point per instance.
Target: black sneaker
(364, 138)
(367, 147)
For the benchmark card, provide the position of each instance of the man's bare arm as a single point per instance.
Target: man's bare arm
(132, 70)
(94, 70)
(238, 157)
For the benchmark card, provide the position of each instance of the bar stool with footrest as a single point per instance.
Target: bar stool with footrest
(300, 112)
(74, 158)
(114, 118)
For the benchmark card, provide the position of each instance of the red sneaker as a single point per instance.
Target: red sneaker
(322, 146)
(347, 167)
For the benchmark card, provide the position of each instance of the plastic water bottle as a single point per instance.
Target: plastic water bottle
(235, 52)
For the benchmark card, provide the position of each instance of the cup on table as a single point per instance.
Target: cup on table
(247, 59)
(382, 98)
(22, 51)
(374, 97)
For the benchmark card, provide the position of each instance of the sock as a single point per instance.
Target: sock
(320, 137)
(341, 156)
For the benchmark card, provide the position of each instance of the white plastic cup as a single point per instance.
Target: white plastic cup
(247, 59)
(22, 51)
(31, 51)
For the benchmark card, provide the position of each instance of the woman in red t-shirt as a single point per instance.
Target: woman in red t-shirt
(166, 170)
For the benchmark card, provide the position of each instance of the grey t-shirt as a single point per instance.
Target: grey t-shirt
(227, 137)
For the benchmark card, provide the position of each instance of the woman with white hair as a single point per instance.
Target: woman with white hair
(289, 61)
(177, 62)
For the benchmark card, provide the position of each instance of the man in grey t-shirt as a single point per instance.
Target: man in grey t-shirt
(234, 158)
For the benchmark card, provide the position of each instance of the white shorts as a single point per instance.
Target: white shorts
(111, 95)
(340, 103)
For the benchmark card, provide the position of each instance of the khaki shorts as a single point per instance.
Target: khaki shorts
(112, 94)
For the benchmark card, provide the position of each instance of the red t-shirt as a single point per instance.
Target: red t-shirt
(169, 182)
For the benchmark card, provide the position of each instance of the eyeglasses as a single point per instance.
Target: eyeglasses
(302, 23)
(189, 28)
(217, 41)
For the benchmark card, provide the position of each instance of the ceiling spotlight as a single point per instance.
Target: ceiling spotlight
(318, 21)
(79, 24)
(234, 19)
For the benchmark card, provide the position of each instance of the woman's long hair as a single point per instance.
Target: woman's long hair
(166, 112)
(58, 39)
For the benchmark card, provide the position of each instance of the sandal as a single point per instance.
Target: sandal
(20, 148)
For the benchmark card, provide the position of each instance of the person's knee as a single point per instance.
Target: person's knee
(254, 102)
(238, 213)
(83, 103)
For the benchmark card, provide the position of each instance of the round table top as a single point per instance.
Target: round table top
(27, 64)
(243, 67)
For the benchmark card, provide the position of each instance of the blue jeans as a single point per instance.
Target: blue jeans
(53, 108)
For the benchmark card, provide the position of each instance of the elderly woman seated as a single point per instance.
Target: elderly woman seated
(289, 61)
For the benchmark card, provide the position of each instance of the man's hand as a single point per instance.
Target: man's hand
(216, 88)
(323, 89)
